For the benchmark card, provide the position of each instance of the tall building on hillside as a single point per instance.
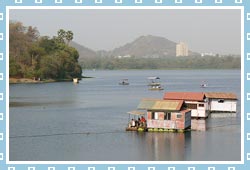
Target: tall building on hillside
(181, 49)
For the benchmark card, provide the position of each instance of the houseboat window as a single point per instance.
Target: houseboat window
(155, 115)
(167, 116)
(201, 105)
(221, 101)
(178, 116)
(191, 106)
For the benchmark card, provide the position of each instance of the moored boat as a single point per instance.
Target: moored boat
(75, 80)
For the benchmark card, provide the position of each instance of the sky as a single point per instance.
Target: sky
(204, 30)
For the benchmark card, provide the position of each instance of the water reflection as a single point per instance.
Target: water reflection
(30, 104)
(199, 124)
(164, 146)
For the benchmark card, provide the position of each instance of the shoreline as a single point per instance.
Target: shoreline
(32, 81)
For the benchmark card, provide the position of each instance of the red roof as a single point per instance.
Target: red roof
(191, 96)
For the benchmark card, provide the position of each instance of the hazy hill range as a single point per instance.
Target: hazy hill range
(143, 47)
(84, 52)
(147, 46)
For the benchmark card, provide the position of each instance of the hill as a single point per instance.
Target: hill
(83, 51)
(147, 47)
(143, 47)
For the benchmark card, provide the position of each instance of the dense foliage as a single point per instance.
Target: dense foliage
(206, 62)
(35, 56)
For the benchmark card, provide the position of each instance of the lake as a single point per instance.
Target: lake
(64, 121)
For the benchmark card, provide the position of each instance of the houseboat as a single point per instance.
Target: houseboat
(195, 101)
(221, 102)
(154, 83)
(124, 82)
(166, 115)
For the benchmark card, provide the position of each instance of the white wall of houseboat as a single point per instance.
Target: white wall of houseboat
(222, 105)
(200, 111)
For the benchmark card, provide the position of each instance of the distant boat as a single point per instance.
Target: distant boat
(156, 87)
(154, 83)
(203, 85)
(124, 82)
(75, 80)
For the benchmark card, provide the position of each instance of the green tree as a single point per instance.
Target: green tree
(61, 35)
(69, 36)
(34, 56)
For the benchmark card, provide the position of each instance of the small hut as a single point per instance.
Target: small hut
(166, 114)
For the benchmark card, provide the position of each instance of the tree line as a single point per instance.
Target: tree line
(35, 56)
(190, 62)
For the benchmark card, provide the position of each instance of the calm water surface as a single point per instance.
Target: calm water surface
(86, 122)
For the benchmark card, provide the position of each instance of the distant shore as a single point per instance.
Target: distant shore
(27, 80)
(32, 81)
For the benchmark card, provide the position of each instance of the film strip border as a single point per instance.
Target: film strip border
(246, 90)
(120, 167)
(127, 2)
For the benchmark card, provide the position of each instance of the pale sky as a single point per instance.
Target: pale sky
(206, 30)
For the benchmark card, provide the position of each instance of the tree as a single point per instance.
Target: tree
(36, 52)
(64, 36)
(32, 56)
(61, 35)
(32, 34)
(69, 36)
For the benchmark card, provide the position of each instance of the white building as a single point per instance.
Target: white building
(221, 102)
(195, 101)
(124, 56)
(208, 54)
(181, 49)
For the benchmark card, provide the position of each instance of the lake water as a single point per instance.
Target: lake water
(86, 121)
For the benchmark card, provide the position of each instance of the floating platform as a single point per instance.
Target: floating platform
(168, 130)
(138, 129)
(141, 129)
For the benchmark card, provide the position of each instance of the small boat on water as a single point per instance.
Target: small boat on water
(75, 80)
(124, 82)
(156, 87)
(154, 83)
(203, 84)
